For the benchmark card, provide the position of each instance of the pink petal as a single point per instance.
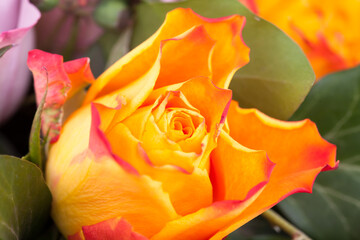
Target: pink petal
(62, 80)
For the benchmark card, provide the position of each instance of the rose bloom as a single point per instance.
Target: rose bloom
(327, 31)
(159, 150)
(17, 17)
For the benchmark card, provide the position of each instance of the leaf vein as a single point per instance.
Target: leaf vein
(342, 121)
(333, 206)
(341, 196)
(10, 229)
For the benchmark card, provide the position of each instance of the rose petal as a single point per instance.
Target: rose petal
(130, 96)
(173, 105)
(79, 73)
(251, 4)
(183, 187)
(49, 69)
(235, 169)
(144, 124)
(225, 59)
(213, 103)
(298, 142)
(296, 148)
(193, 59)
(204, 223)
(61, 81)
(163, 151)
(99, 144)
(229, 53)
(79, 193)
(112, 229)
(133, 94)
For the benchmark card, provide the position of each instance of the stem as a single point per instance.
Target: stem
(277, 220)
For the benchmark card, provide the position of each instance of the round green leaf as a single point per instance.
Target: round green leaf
(278, 77)
(25, 199)
(333, 210)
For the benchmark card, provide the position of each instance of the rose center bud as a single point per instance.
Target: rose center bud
(181, 126)
(185, 127)
(180, 122)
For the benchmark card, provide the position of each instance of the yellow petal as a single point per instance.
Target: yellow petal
(236, 170)
(188, 191)
(98, 185)
(206, 222)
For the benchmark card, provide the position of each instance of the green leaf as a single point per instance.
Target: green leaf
(3, 50)
(278, 77)
(36, 147)
(25, 199)
(333, 210)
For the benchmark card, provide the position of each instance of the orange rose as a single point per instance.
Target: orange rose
(157, 151)
(326, 31)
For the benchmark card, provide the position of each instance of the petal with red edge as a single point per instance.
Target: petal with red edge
(251, 4)
(235, 170)
(213, 104)
(104, 190)
(77, 236)
(79, 73)
(258, 207)
(296, 148)
(112, 229)
(128, 98)
(50, 72)
(229, 54)
(58, 159)
(293, 146)
(193, 59)
(97, 185)
(206, 222)
(188, 191)
(211, 101)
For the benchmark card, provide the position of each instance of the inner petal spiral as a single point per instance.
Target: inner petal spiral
(181, 126)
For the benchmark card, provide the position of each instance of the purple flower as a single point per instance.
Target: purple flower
(17, 17)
